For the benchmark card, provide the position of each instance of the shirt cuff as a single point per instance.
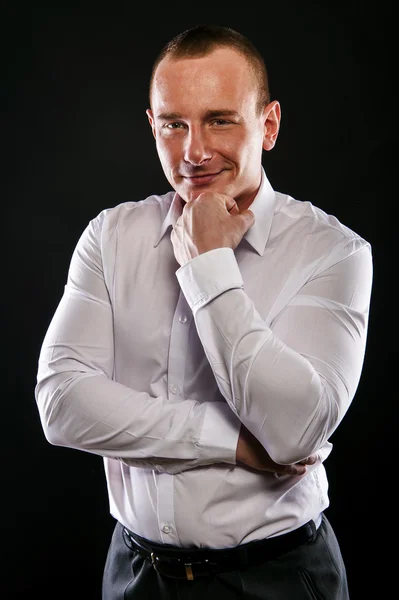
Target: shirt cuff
(219, 433)
(208, 275)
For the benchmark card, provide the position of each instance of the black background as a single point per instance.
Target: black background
(76, 140)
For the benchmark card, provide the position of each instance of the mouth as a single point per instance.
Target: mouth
(204, 179)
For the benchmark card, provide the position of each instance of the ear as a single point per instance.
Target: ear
(271, 119)
(151, 121)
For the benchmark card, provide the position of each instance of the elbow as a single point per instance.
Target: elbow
(49, 404)
(284, 453)
(289, 455)
(53, 431)
(52, 436)
(301, 440)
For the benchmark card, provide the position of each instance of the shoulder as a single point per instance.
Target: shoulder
(148, 212)
(317, 232)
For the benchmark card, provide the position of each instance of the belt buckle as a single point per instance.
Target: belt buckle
(187, 566)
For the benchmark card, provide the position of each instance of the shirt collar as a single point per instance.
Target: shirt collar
(262, 206)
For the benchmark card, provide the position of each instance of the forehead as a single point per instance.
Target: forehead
(223, 76)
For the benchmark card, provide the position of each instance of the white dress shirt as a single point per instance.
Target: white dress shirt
(154, 366)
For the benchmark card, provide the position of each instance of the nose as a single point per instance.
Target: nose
(197, 149)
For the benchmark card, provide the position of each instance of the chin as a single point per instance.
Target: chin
(192, 194)
(188, 195)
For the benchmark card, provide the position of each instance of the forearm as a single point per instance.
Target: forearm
(92, 413)
(290, 383)
(275, 392)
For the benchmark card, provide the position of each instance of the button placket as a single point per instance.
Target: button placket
(166, 522)
(177, 346)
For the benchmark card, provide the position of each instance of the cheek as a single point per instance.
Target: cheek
(168, 152)
(236, 147)
(249, 148)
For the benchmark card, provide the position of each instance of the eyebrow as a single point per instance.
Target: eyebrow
(210, 114)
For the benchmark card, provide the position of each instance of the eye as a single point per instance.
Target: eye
(221, 122)
(174, 125)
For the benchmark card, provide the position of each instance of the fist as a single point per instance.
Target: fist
(210, 221)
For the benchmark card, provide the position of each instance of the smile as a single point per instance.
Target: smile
(202, 179)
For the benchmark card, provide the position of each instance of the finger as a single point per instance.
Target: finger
(296, 469)
(230, 203)
(249, 217)
(310, 460)
(234, 210)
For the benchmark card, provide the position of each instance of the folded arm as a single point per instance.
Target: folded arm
(289, 382)
(82, 407)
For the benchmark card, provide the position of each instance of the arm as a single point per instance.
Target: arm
(83, 408)
(292, 382)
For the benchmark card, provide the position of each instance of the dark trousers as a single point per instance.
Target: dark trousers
(312, 571)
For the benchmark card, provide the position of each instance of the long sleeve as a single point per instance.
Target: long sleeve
(290, 381)
(82, 407)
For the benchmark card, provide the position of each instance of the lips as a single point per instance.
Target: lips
(202, 179)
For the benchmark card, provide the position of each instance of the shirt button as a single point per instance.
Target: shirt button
(174, 389)
(166, 528)
(183, 319)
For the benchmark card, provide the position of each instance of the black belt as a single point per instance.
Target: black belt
(189, 563)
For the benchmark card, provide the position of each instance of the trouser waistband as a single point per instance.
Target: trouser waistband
(190, 563)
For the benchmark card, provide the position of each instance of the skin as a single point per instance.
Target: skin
(210, 139)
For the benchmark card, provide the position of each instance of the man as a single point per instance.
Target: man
(208, 350)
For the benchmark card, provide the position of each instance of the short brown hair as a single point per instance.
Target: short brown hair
(203, 39)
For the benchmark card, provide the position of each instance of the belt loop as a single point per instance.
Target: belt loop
(127, 539)
(314, 530)
(189, 571)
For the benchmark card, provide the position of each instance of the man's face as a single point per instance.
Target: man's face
(208, 134)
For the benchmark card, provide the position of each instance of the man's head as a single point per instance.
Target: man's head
(211, 113)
